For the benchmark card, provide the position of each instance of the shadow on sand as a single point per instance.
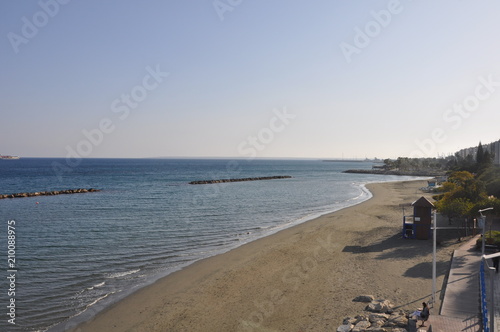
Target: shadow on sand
(395, 247)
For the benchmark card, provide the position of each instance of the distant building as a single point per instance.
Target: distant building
(493, 148)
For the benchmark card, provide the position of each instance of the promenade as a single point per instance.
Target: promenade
(460, 309)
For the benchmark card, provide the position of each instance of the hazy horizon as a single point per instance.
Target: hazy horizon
(248, 79)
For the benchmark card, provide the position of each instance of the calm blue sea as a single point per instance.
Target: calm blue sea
(75, 254)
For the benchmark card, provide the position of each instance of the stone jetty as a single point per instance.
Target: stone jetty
(50, 193)
(241, 180)
(378, 316)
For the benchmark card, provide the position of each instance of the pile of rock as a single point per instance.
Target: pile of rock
(50, 193)
(378, 317)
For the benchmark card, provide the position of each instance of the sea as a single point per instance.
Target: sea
(67, 257)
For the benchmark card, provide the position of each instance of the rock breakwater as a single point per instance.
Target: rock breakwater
(241, 180)
(379, 316)
(50, 193)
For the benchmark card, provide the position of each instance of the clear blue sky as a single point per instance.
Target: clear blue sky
(248, 78)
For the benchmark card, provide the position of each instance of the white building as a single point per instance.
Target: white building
(493, 148)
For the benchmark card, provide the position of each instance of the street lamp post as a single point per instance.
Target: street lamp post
(482, 224)
(434, 231)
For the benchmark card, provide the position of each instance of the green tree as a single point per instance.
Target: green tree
(460, 178)
(453, 208)
(465, 164)
(491, 178)
(462, 193)
(486, 203)
(480, 154)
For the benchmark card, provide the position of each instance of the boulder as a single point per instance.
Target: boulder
(361, 326)
(345, 328)
(378, 316)
(349, 321)
(381, 306)
(360, 318)
(376, 329)
(364, 298)
(378, 320)
(397, 320)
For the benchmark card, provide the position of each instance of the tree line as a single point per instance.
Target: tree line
(473, 184)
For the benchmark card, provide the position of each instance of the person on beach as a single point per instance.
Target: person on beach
(422, 314)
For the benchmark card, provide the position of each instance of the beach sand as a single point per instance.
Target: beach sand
(300, 279)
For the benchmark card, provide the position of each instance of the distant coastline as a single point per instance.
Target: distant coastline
(352, 160)
(394, 172)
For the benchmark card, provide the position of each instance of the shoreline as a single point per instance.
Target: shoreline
(98, 307)
(263, 282)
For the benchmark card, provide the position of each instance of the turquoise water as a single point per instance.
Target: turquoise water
(75, 254)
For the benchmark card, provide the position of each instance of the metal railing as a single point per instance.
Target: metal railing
(484, 302)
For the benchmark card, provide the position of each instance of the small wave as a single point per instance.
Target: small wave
(97, 285)
(99, 299)
(121, 274)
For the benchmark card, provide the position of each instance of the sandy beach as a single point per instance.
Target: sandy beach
(300, 279)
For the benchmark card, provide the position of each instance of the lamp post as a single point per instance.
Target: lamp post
(482, 224)
(434, 231)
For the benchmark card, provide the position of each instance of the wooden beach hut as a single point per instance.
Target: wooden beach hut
(418, 225)
(422, 218)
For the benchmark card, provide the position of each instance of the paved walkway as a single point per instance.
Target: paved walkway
(461, 297)
(460, 309)
(496, 278)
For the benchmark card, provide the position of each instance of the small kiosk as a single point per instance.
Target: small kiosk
(418, 226)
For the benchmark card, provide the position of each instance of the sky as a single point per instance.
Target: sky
(248, 79)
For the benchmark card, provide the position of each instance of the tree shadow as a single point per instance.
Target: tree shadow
(394, 247)
(424, 270)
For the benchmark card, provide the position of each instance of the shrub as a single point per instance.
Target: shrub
(491, 237)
